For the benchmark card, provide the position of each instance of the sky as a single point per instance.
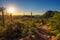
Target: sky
(37, 7)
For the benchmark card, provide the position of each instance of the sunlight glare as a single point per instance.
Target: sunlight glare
(11, 10)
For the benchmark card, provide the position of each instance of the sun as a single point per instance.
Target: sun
(10, 10)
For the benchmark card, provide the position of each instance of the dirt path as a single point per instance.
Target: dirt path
(40, 34)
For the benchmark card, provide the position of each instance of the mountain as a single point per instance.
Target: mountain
(49, 14)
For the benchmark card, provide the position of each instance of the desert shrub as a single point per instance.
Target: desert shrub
(54, 23)
(12, 31)
(23, 31)
(55, 32)
(58, 36)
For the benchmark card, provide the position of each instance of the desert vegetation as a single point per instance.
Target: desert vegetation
(29, 27)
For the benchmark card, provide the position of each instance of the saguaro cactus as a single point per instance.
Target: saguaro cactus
(2, 10)
(31, 15)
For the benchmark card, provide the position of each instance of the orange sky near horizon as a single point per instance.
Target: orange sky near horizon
(26, 13)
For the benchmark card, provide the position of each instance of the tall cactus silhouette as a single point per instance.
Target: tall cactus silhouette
(23, 14)
(2, 10)
(31, 15)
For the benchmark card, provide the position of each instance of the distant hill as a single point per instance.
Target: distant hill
(49, 14)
